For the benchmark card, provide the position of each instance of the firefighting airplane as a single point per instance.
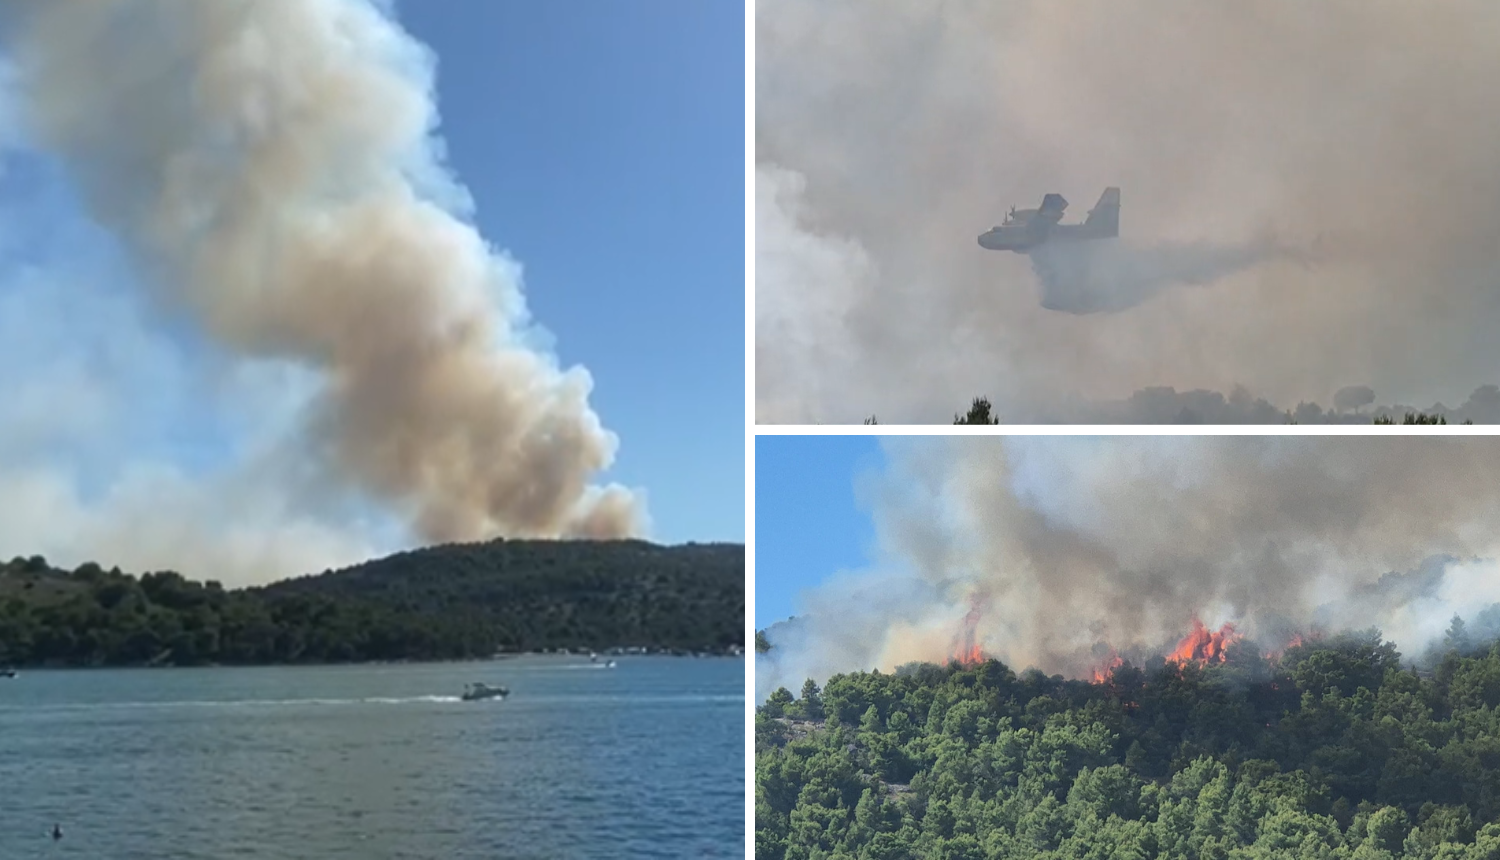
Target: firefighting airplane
(1030, 228)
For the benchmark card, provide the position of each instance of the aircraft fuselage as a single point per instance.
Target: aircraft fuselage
(1030, 228)
(1022, 238)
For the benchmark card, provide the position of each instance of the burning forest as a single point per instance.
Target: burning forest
(966, 652)
(1135, 647)
(1076, 556)
(1335, 749)
(1201, 646)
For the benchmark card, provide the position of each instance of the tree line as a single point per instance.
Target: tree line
(1336, 750)
(981, 411)
(450, 602)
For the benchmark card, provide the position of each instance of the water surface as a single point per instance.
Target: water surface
(644, 760)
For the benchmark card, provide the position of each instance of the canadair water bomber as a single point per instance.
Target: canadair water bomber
(1028, 229)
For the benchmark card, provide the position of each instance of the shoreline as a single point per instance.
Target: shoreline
(22, 668)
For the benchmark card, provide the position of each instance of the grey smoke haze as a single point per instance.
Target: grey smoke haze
(1353, 397)
(1109, 276)
(1165, 405)
(1070, 542)
(272, 169)
(890, 133)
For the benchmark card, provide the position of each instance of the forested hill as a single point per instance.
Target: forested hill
(448, 602)
(1336, 751)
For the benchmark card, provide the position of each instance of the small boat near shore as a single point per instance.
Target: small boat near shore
(8, 672)
(480, 692)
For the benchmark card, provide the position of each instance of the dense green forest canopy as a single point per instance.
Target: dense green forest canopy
(1334, 751)
(448, 602)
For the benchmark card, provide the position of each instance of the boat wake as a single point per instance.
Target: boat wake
(241, 703)
(629, 699)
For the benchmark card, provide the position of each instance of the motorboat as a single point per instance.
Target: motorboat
(480, 692)
(7, 672)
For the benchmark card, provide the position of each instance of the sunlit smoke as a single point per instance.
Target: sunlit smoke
(272, 167)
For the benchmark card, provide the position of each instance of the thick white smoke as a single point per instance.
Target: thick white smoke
(809, 326)
(272, 169)
(1068, 544)
(1365, 129)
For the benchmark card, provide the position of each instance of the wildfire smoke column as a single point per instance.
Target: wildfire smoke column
(1074, 555)
(271, 166)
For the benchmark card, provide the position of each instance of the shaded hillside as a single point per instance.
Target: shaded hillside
(448, 602)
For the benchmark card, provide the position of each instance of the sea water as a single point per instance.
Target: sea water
(642, 760)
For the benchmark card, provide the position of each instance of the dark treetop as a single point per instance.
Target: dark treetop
(446, 602)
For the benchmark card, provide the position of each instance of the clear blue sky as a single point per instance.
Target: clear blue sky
(604, 146)
(808, 522)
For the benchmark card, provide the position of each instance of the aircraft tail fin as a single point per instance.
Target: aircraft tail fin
(1105, 216)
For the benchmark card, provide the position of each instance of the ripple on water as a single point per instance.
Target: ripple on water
(331, 762)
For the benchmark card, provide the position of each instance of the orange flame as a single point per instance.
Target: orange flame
(966, 652)
(1297, 639)
(1203, 646)
(1275, 656)
(1107, 668)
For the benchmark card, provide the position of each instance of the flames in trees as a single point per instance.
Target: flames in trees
(1293, 642)
(966, 651)
(1203, 646)
(1108, 666)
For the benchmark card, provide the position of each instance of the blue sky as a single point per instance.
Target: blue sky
(602, 145)
(808, 521)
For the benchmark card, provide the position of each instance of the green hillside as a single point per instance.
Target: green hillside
(449, 602)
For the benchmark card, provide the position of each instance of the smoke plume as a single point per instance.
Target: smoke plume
(1069, 547)
(271, 167)
(889, 134)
